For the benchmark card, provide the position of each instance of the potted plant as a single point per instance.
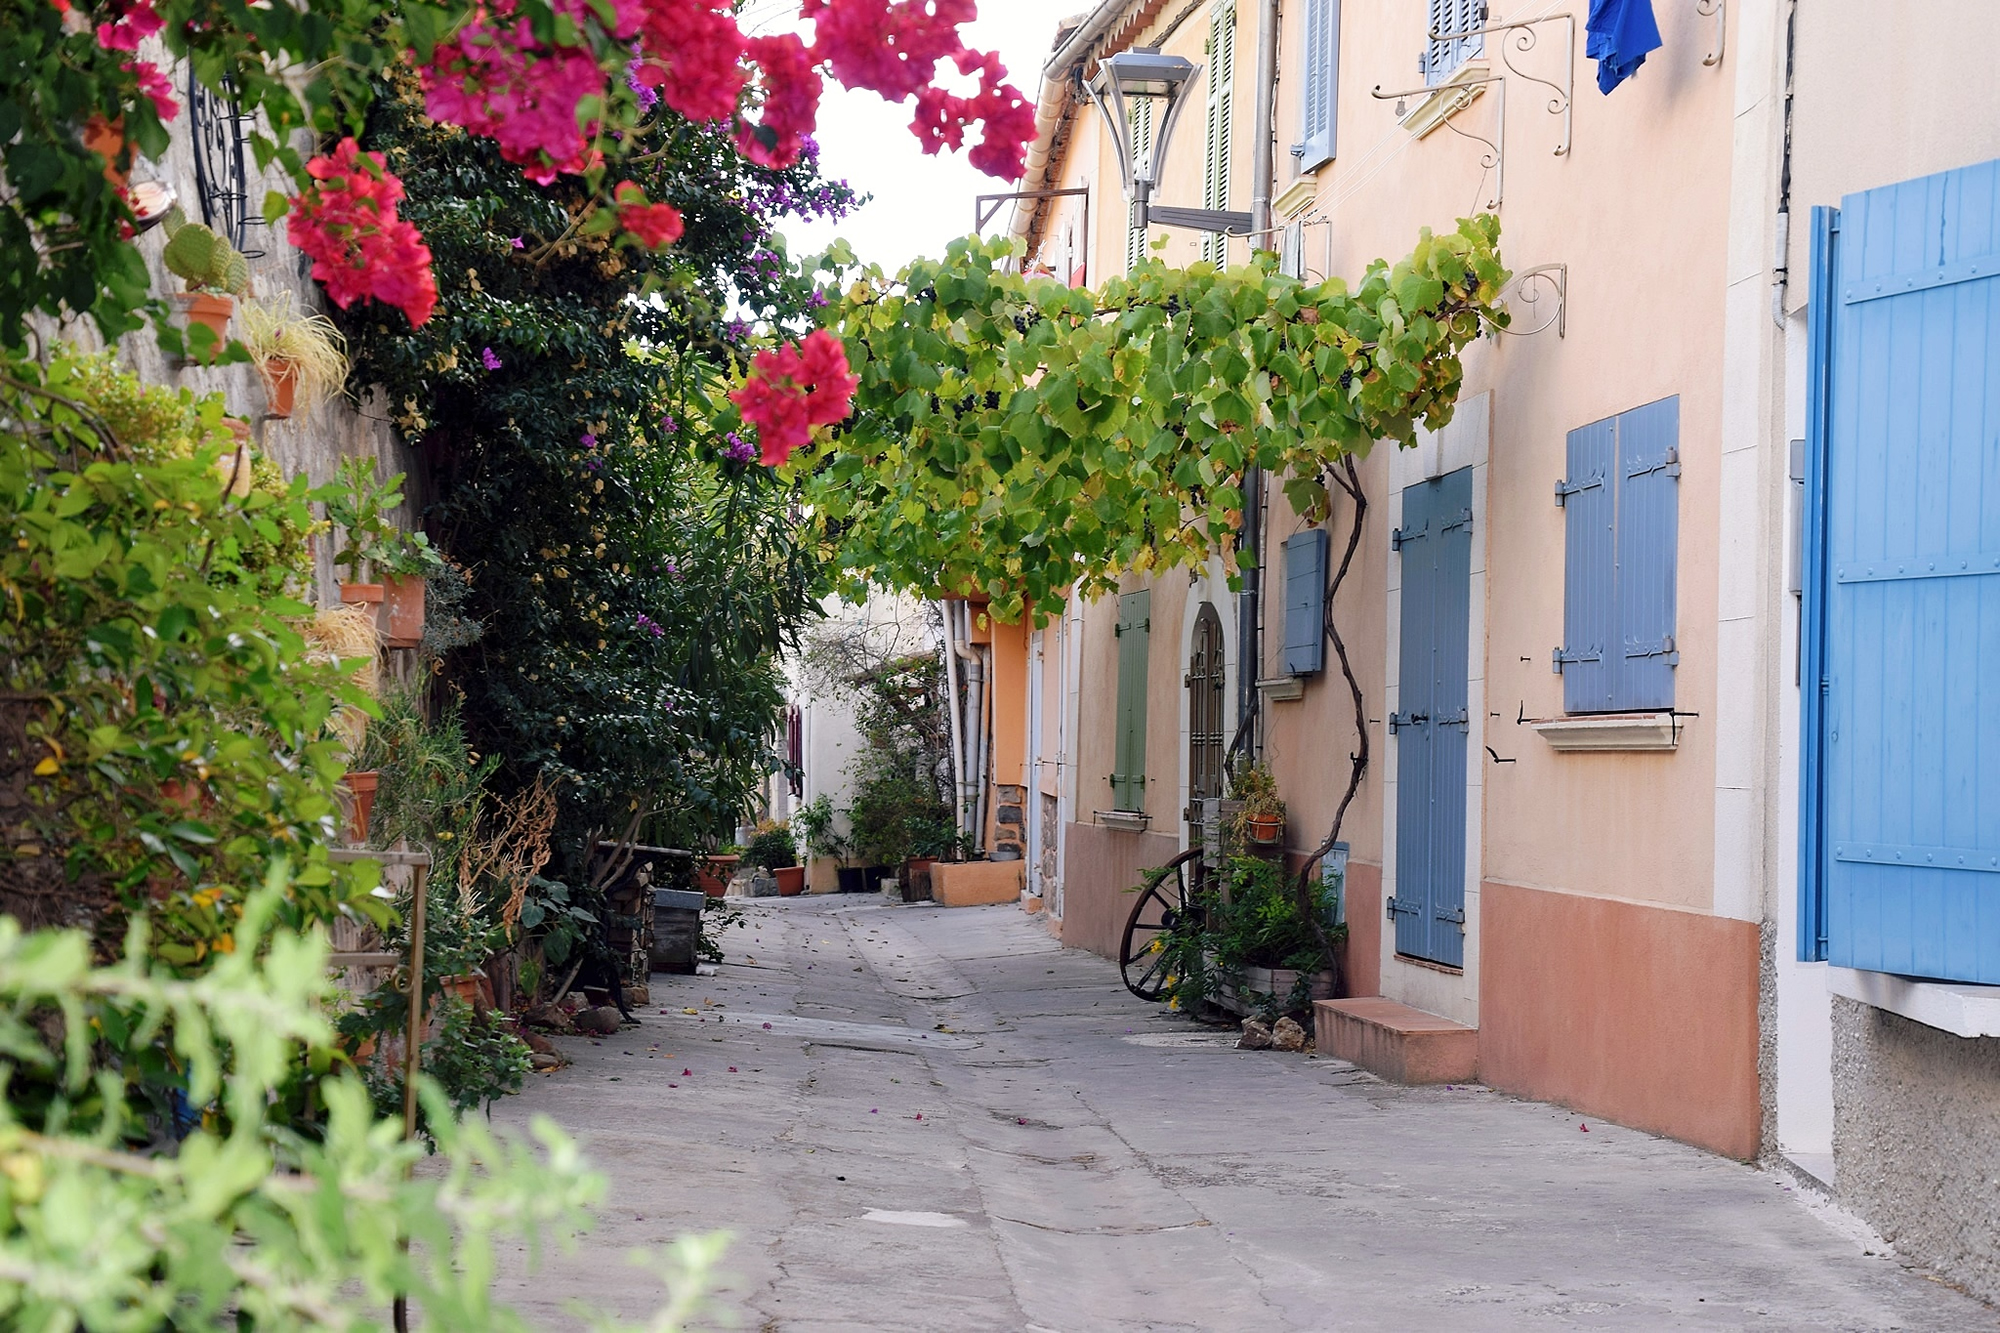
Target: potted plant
(216, 273)
(773, 848)
(713, 872)
(402, 560)
(1264, 955)
(302, 357)
(1261, 821)
(934, 838)
(815, 821)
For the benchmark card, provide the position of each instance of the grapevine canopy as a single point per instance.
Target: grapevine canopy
(1014, 436)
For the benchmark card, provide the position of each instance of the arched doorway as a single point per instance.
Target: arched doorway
(1206, 695)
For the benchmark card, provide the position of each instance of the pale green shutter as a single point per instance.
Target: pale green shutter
(1141, 111)
(1128, 777)
(1221, 86)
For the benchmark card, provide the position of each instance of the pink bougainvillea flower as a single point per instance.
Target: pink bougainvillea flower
(156, 87)
(791, 102)
(791, 389)
(652, 225)
(889, 48)
(346, 223)
(693, 54)
(497, 80)
(132, 22)
(488, 359)
(1009, 121)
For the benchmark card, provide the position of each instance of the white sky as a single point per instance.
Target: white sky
(920, 202)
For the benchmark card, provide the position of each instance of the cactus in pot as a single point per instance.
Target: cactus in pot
(214, 270)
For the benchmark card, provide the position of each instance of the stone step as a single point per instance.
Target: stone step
(1401, 1044)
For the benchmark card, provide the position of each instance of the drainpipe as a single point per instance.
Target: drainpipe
(972, 781)
(1264, 132)
(1263, 170)
(949, 620)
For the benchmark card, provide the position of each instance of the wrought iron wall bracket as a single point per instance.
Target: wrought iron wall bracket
(1719, 9)
(1520, 35)
(1460, 95)
(1527, 286)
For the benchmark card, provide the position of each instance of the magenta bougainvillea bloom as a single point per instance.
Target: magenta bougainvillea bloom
(793, 388)
(487, 359)
(346, 223)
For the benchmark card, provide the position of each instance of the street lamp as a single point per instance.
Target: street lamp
(1144, 73)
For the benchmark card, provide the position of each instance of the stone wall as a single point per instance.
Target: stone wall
(313, 444)
(1916, 1140)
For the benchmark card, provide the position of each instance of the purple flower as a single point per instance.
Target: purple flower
(667, 423)
(651, 626)
(740, 450)
(673, 567)
(517, 243)
(648, 96)
(817, 299)
(739, 329)
(587, 440)
(490, 361)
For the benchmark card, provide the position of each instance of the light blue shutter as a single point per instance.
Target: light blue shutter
(1444, 55)
(1128, 777)
(1903, 610)
(1649, 482)
(1305, 603)
(1318, 115)
(1590, 540)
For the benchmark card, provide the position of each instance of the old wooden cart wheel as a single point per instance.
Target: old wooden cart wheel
(1163, 901)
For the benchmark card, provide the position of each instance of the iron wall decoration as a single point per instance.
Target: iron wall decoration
(221, 164)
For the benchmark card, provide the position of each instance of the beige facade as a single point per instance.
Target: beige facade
(1630, 883)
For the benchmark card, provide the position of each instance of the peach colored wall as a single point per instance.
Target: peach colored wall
(1010, 704)
(1103, 864)
(1361, 968)
(1643, 1015)
(1638, 210)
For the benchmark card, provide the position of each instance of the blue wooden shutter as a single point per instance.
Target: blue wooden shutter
(1812, 587)
(1590, 630)
(1319, 115)
(1305, 603)
(1903, 619)
(1441, 57)
(1649, 480)
(1128, 777)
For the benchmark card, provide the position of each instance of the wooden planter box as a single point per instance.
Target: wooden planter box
(1240, 998)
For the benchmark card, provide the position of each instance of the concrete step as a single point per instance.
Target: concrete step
(1401, 1044)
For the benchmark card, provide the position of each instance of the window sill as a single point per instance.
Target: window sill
(1302, 193)
(1610, 731)
(1280, 689)
(1456, 93)
(1961, 1009)
(1122, 821)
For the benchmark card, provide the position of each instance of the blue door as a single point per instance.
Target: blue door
(1430, 726)
(1900, 824)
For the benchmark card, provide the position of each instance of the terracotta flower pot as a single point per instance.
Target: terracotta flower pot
(361, 785)
(281, 385)
(106, 138)
(711, 874)
(206, 308)
(1265, 829)
(791, 880)
(362, 594)
(403, 610)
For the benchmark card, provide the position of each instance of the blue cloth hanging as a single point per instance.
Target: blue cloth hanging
(1617, 36)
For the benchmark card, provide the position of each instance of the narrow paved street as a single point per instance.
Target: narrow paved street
(913, 1118)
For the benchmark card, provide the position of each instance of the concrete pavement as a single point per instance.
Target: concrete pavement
(923, 1119)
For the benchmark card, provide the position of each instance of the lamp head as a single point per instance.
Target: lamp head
(1141, 74)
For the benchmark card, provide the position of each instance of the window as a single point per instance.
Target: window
(1622, 525)
(1442, 57)
(1215, 160)
(1322, 84)
(1140, 109)
(1305, 603)
(1128, 774)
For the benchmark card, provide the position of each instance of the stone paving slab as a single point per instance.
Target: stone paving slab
(1058, 1156)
